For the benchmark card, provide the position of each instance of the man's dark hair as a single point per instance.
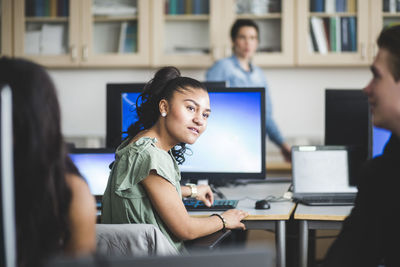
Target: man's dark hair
(389, 39)
(242, 23)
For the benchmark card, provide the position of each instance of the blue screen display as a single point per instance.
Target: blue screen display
(380, 138)
(232, 141)
(94, 167)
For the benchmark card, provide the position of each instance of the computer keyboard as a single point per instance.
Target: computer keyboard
(218, 205)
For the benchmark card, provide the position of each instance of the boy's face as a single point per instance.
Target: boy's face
(384, 93)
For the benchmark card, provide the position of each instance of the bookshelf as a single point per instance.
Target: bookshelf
(333, 33)
(5, 28)
(89, 33)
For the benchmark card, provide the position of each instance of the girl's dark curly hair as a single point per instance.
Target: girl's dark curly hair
(42, 196)
(166, 81)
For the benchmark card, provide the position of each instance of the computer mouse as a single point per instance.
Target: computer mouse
(262, 205)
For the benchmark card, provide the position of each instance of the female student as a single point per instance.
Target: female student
(144, 184)
(55, 212)
(238, 71)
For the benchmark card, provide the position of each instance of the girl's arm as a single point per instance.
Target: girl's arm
(169, 206)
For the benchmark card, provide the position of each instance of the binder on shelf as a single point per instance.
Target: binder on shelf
(330, 6)
(392, 6)
(122, 36)
(351, 6)
(317, 5)
(313, 39)
(39, 8)
(345, 34)
(200, 7)
(53, 8)
(173, 7)
(32, 42)
(353, 33)
(338, 34)
(332, 33)
(130, 44)
(188, 6)
(325, 24)
(181, 7)
(320, 37)
(52, 39)
(341, 5)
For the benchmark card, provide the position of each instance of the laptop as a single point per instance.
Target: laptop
(94, 166)
(321, 176)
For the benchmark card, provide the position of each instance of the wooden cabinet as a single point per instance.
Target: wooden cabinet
(5, 28)
(197, 40)
(153, 33)
(382, 16)
(333, 38)
(71, 33)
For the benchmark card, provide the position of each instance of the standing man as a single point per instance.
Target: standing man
(371, 234)
(238, 71)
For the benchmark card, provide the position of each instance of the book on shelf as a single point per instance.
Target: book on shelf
(313, 41)
(353, 33)
(345, 34)
(332, 33)
(317, 5)
(351, 6)
(338, 34)
(341, 5)
(319, 33)
(188, 6)
(127, 38)
(330, 6)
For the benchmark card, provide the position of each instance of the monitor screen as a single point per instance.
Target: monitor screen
(232, 147)
(94, 166)
(348, 123)
(379, 140)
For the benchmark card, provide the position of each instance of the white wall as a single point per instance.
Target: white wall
(297, 96)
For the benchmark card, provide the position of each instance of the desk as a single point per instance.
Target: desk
(271, 219)
(318, 217)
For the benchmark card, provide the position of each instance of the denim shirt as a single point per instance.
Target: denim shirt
(229, 69)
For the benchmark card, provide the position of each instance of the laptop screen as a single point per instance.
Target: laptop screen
(321, 170)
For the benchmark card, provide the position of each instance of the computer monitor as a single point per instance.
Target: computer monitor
(232, 147)
(123, 96)
(8, 256)
(94, 166)
(379, 140)
(348, 123)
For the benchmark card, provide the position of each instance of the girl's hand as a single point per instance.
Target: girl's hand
(233, 219)
(205, 194)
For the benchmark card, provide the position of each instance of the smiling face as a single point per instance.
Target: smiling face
(246, 42)
(187, 114)
(384, 94)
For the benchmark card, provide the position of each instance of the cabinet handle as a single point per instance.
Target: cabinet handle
(85, 52)
(74, 53)
(363, 50)
(374, 50)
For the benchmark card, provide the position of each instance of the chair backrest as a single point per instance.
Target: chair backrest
(132, 240)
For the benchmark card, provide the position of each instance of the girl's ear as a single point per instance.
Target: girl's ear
(163, 107)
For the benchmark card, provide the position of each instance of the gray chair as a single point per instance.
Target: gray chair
(132, 240)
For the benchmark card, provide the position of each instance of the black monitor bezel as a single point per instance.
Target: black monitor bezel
(114, 92)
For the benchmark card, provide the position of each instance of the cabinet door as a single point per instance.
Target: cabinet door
(184, 32)
(115, 33)
(384, 13)
(5, 28)
(332, 32)
(275, 19)
(46, 31)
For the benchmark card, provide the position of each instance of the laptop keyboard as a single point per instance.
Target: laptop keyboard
(218, 205)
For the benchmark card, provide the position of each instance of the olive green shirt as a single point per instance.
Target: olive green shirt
(125, 200)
